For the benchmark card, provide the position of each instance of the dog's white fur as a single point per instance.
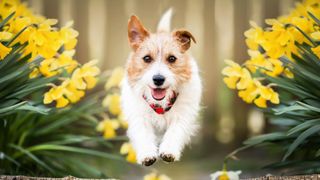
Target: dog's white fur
(152, 134)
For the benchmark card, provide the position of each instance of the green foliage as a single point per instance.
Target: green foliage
(38, 144)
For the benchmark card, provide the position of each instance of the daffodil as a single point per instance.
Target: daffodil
(226, 175)
(71, 92)
(4, 36)
(42, 38)
(234, 72)
(112, 101)
(4, 51)
(115, 78)
(108, 127)
(56, 94)
(259, 94)
(127, 149)
(316, 51)
(68, 36)
(53, 66)
(122, 121)
(85, 76)
(34, 73)
(155, 176)
(254, 36)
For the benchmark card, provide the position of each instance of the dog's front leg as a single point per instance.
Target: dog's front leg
(143, 139)
(177, 136)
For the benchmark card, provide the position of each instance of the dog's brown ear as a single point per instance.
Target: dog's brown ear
(136, 32)
(184, 38)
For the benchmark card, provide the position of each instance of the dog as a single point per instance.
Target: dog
(161, 91)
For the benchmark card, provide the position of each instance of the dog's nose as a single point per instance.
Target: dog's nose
(158, 79)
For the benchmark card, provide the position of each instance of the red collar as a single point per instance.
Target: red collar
(161, 109)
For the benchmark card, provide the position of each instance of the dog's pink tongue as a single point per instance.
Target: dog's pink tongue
(158, 94)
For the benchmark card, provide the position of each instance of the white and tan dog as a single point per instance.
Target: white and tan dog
(161, 91)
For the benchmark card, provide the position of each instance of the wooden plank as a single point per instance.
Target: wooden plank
(300, 177)
(42, 178)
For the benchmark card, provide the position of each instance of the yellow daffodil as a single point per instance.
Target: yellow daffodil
(54, 66)
(237, 77)
(233, 72)
(112, 101)
(42, 38)
(56, 94)
(259, 94)
(315, 35)
(115, 78)
(71, 92)
(108, 127)
(85, 76)
(127, 149)
(123, 122)
(250, 89)
(64, 94)
(254, 36)
(68, 36)
(4, 51)
(266, 46)
(4, 36)
(316, 51)
(155, 176)
(35, 73)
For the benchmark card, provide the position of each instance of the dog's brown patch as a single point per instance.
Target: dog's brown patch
(136, 32)
(136, 67)
(182, 69)
(183, 37)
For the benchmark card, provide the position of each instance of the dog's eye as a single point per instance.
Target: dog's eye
(172, 59)
(147, 59)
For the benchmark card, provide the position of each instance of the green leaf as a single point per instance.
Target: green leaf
(302, 71)
(265, 137)
(3, 22)
(71, 139)
(301, 139)
(303, 126)
(309, 107)
(5, 156)
(305, 35)
(285, 109)
(33, 157)
(317, 153)
(16, 36)
(52, 147)
(10, 108)
(314, 18)
(284, 121)
(37, 109)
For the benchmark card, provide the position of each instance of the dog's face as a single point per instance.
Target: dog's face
(159, 62)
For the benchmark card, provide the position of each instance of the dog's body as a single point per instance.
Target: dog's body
(157, 69)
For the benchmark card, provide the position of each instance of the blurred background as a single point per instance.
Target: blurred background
(218, 26)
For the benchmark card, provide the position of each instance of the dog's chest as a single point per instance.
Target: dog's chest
(160, 123)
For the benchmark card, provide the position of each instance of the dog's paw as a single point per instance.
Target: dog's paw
(167, 157)
(148, 161)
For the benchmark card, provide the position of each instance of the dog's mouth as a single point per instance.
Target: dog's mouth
(158, 93)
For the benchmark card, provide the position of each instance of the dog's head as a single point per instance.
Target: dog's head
(159, 62)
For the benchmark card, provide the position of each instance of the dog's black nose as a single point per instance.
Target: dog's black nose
(158, 79)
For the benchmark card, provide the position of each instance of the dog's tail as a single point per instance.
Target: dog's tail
(165, 21)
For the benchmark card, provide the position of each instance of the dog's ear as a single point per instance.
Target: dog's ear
(136, 32)
(184, 38)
